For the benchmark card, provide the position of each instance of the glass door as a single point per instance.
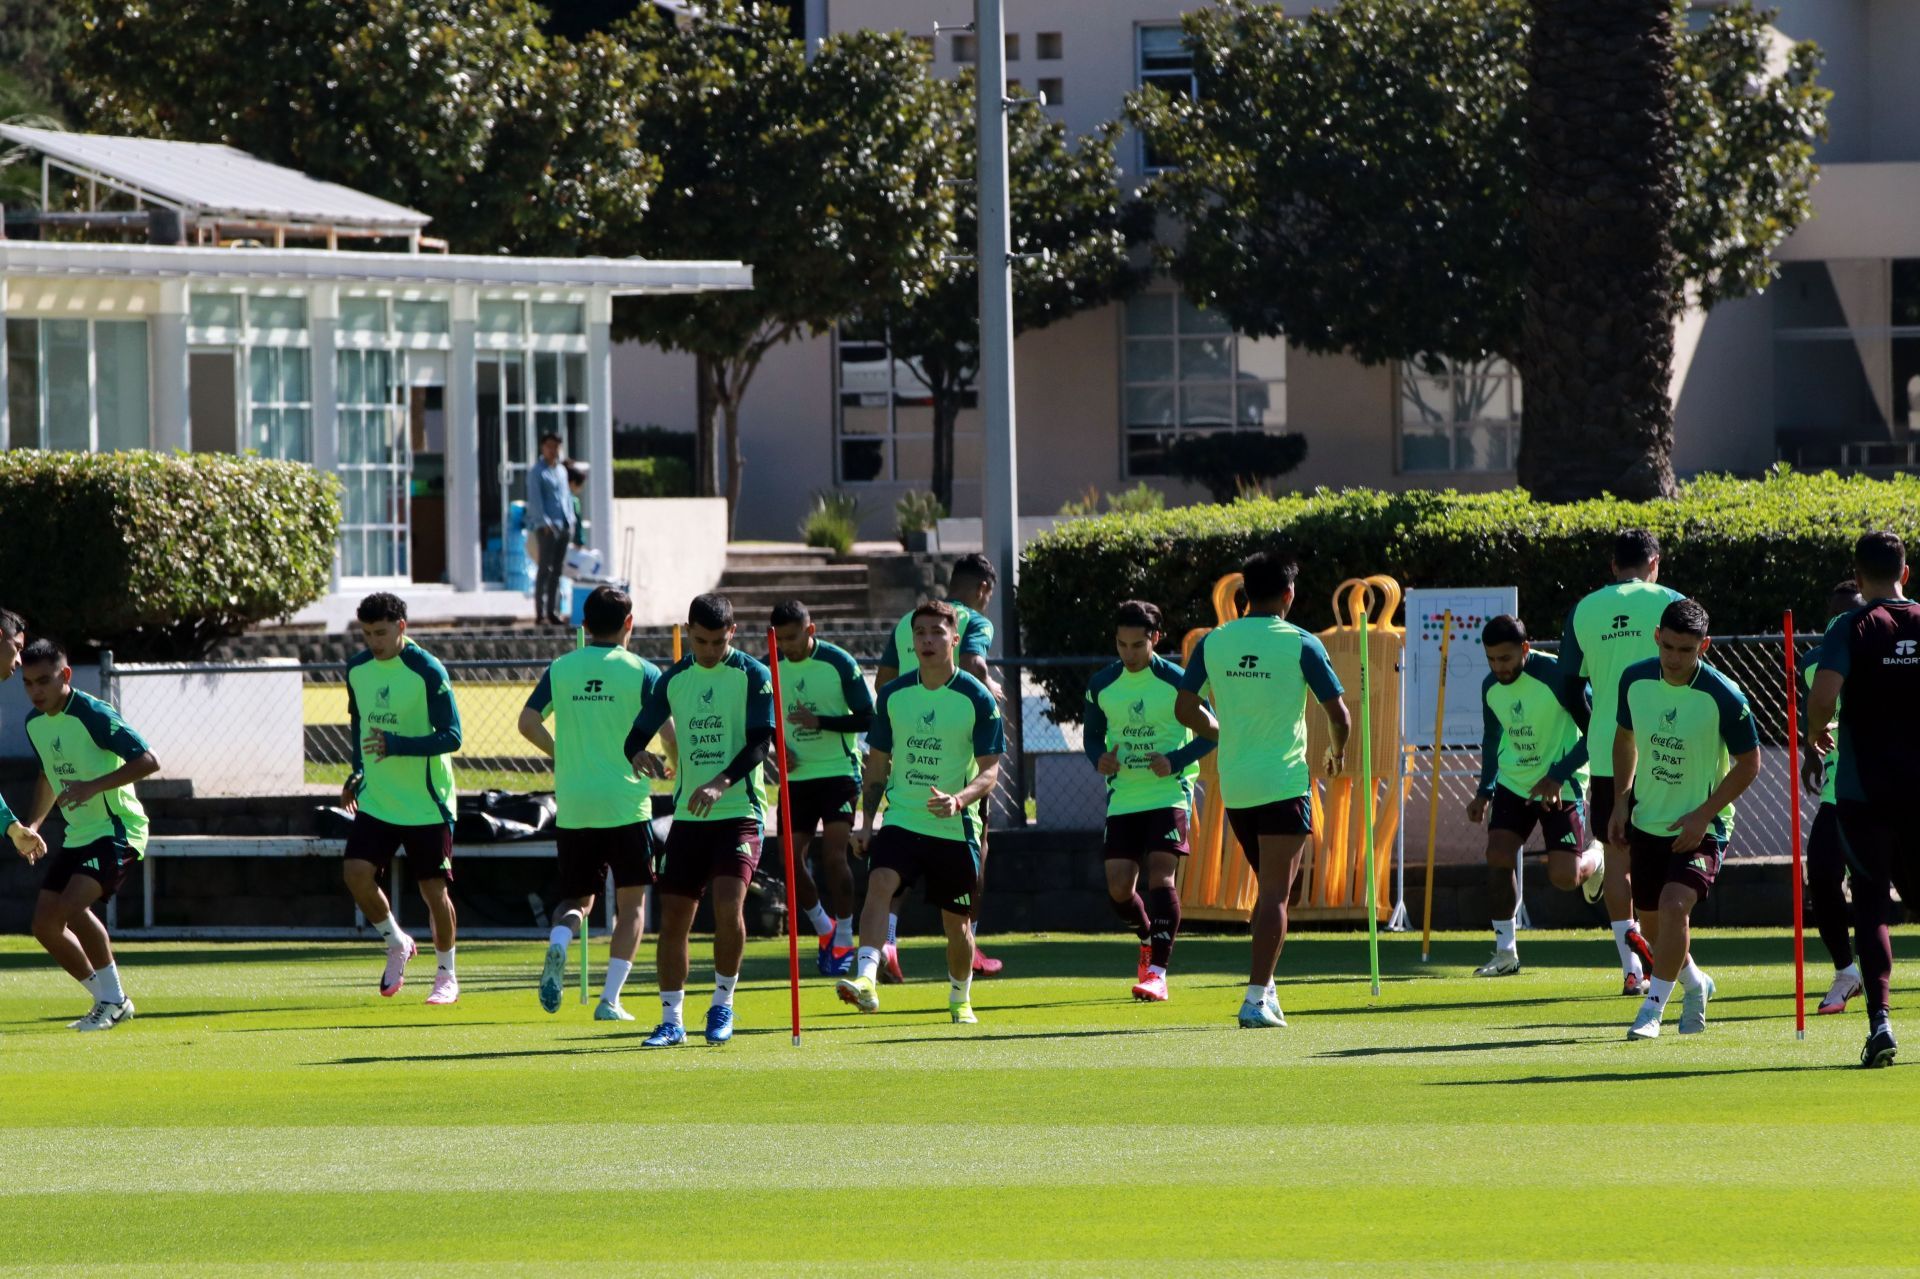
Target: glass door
(506, 451)
(376, 464)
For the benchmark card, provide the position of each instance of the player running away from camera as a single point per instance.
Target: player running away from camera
(89, 761)
(1261, 671)
(13, 638)
(604, 818)
(1150, 760)
(1826, 846)
(720, 702)
(969, 591)
(934, 753)
(1684, 749)
(828, 707)
(1533, 773)
(1608, 631)
(1870, 675)
(405, 728)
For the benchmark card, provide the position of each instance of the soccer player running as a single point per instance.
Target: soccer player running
(405, 728)
(969, 589)
(934, 753)
(1826, 847)
(1870, 675)
(1261, 670)
(1683, 751)
(605, 811)
(721, 704)
(13, 638)
(828, 707)
(1150, 760)
(89, 761)
(1533, 773)
(1608, 631)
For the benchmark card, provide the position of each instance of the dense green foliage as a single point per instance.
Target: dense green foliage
(832, 521)
(159, 556)
(1227, 462)
(652, 477)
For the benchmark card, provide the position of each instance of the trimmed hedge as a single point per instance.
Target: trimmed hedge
(159, 556)
(651, 477)
(1748, 548)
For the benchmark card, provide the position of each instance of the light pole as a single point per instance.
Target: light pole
(1000, 493)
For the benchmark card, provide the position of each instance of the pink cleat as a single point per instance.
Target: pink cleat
(1146, 958)
(985, 965)
(1152, 989)
(394, 976)
(446, 989)
(890, 974)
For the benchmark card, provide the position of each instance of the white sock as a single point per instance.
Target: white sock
(389, 931)
(106, 981)
(92, 983)
(1691, 977)
(723, 989)
(1271, 993)
(1257, 994)
(444, 958)
(893, 929)
(1657, 994)
(960, 989)
(670, 1006)
(617, 970)
(561, 936)
(843, 933)
(821, 921)
(1629, 962)
(1155, 970)
(867, 963)
(1503, 934)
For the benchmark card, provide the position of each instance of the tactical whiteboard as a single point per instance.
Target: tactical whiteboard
(1471, 607)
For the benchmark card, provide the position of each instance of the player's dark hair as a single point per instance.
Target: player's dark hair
(1139, 613)
(938, 609)
(1635, 548)
(1689, 617)
(1504, 629)
(43, 651)
(789, 612)
(11, 623)
(548, 435)
(1879, 556)
(1848, 590)
(1267, 575)
(972, 567)
(382, 606)
(576, 472)
(713, 612)
(606, 611)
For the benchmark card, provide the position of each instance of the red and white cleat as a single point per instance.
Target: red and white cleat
(446, 989)
(1633, 984)
(394, 976)
(1151, 989)
(1637, 943)
(984, 965)
(890, 974)
(1146, 960)
(1846, 984)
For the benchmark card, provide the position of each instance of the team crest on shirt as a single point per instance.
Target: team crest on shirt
(706, 698)
(1137, 713)
(383, 695)
(1672, 716)
(800, 685)
(927, 719)
(1519, 708)
(57, 748)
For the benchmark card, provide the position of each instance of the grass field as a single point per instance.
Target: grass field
(267, 1113)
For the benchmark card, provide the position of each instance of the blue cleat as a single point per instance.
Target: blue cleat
(719, 1024)
(553, 977)
(1260, 1016)
(668, 1034)
(833, 961)
(1693, 1009)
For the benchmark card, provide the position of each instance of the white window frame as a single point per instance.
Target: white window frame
(1179, 386)
(42, 387)
(1142, 74)
(1495, 408)
(898, 376)
(244, 340)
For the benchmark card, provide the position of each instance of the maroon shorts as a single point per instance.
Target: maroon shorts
(951, 867)
(822, 801)
(429, 848)
(1131, 836)
(1281, 817)
(588, 853)
(104, 861)
(1562, 827)
(700, 852)
(1600, 808)
(1654, 865)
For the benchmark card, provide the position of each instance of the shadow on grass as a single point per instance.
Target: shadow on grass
(968, 1037)
(1483, 1046)
(1636, 1076)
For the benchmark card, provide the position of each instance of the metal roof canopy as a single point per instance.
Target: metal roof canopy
(218, 185)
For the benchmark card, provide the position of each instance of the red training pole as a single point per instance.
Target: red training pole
(786, 830)
(1799, 891)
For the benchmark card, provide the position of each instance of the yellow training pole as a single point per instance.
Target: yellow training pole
(1433, 799)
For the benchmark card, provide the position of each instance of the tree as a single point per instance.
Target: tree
(824, 175)
(1357, 177)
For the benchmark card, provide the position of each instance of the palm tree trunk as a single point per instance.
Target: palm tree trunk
(946, 414)
(706, 470)
(1596, 349)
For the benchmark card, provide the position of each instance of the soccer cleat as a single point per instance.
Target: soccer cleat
(1693, 1007)
(890, 973)
(1638, 945)
(860, 992)
(720, 1024)
(1846, 984)
(1646, 1024)
(1261, 1015)
(394, 976)
(105, 1016)
(839, 962)
(79, 1023)
(1594, 886)
(985, 965)
(1634, 984)
(1504, 963)
(446, 989)
(604, 1011)
(1146, 961)
(1880, 1047)
(668, 1034)
(553, 977)
(1151, 989)
(961, 1010)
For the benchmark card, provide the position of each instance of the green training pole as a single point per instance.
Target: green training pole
(1366, 800)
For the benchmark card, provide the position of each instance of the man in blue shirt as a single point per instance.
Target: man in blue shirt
(550, 518)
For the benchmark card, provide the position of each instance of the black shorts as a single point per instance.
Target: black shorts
(1131, 836)
(1879, 849)
(1654, 865)
(429, 848)
(1826, 847)
(951, 867)
(822, 801)
(588, 853)
(700, 852)
(104, 861)
(1600, 807)
(1562, 827)
(1281, 817)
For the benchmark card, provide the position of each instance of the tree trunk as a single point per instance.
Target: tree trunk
(706, 468)
(946, 413)
(1596, 347)
(736, 459)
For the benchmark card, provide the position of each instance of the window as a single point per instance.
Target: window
(883, 420)
(1165, 62)
(418, 318)
(374, 463)
(1013, 46)
(77, 386)
(1187, 372)
(502, 317)
(1053, 89)
(966, 48)
(559, 317)
(1048, 46)
(1464, 418)
(279, 403)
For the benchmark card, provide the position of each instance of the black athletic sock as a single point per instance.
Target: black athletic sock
(1165, 924)
(1133, 913)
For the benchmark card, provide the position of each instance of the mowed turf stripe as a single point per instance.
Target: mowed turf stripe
(736, 1156)
(686, 1267)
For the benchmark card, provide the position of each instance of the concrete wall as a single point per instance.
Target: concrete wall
(679, 551)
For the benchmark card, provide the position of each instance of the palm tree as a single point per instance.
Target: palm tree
(1596, 346)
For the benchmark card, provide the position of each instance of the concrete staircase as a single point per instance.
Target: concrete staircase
(757, 578)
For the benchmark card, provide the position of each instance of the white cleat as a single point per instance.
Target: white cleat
(604, 1011)
(81, 1023)
(1846, 985)
(105, 1016)
(1594, 886)
(1504, 963)
(1646, 1024)
(1693, 1008)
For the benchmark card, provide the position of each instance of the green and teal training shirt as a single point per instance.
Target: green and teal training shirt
(1130, 713)
(410, 698)
(593, 695)
(829, 684)
(83, 741)
(936, 737)
(1608, 631)
(1832, 771)
(713, 710)
(1260, 670)
(1683, 735)
(976, 638)
(1528, 735)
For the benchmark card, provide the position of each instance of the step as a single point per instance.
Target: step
(811, 574)
(777, 553)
